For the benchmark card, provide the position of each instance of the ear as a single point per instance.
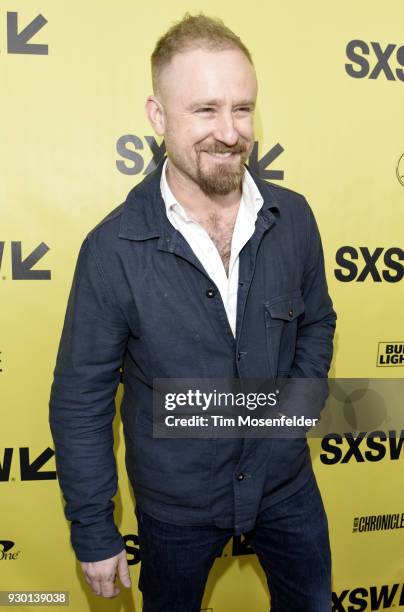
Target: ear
(155, 113)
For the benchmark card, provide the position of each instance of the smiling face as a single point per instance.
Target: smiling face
(204, 109)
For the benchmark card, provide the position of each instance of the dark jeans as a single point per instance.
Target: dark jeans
(290, 539)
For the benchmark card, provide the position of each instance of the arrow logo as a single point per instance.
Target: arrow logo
(30, 471)
(259, 166)
(5, 467)
(1, 252)
(22, 268)
(17, 42)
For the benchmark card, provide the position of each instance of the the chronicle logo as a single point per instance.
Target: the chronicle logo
(400, 170)
(390, 354)
(366, 446)
(387, 61)
(378, 522)
(377, 265)
(368, 598)
(6, 552)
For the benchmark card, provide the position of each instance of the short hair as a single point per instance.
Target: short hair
(193, 32)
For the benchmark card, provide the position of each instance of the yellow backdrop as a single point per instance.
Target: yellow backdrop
(75, 139)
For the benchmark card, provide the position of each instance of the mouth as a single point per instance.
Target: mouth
(222, 156)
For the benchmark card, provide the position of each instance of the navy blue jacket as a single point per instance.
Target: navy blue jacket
(141, 300)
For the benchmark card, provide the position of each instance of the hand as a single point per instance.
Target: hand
(101, 575)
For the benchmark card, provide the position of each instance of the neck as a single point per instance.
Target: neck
(194, 200)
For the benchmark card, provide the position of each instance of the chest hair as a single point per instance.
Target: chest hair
(221, 232)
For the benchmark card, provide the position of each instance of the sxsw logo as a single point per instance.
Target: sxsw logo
(239, 547)
(368, 598)
(390, 354)
(366, 446)
(377, 265)
(30, 469)
(372, 61)
(133, 150)
(132, 548)
(21, 267)
(6, 552)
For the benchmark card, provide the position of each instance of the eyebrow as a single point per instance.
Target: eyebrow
(216, 102)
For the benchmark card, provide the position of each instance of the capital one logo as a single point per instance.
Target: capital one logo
(6, 552)
(361, 263)
(134, 151)
(374, 60)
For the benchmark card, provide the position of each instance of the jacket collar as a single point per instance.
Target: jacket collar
(144, 215)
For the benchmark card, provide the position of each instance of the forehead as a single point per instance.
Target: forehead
(199, 74)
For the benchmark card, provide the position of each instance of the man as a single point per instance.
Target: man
(206, 271)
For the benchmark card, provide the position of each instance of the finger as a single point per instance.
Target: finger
(123, 572)
(93, 582)
(95, 585)
(108, 588)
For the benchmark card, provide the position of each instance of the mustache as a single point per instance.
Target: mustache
(239, 148)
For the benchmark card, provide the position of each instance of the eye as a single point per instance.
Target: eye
(204, 109)
(244, 109)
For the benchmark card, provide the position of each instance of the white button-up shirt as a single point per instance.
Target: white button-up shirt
(205, 249)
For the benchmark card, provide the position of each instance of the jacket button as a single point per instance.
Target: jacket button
(210, 293)
(291, 312)
(240, 476)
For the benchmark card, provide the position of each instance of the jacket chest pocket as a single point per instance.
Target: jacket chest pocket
(282, 317)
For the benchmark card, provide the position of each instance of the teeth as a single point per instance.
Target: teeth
(227, 154)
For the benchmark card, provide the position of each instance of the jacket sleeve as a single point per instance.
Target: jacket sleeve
(314, 346)
(82, 407)
(315, 333)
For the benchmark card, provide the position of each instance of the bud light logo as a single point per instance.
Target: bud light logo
(390, 354)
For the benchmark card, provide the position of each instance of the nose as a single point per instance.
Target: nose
(224, 129)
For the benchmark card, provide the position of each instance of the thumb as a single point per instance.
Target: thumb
(123, 570)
